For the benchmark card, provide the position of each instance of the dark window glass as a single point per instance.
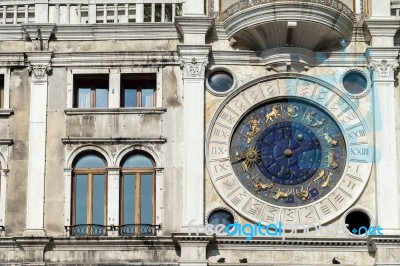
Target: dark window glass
(355, 82)
(90, 161)
(91, 91)
(220, 81)
(357, 219)
(138, 90)
(137, 195)
(89, 190)
(221, 217)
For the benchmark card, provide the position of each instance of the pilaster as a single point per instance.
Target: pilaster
(193, 249)
(39, 68)
(113, 196)
(194, 60)
(383, 63)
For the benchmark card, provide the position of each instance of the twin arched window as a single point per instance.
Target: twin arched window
(89, 186)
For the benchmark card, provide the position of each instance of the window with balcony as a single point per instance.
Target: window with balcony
(91, 91)
(137, 190)
(138, 90)
(89, 195)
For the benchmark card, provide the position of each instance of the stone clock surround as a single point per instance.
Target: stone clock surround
(325, 95)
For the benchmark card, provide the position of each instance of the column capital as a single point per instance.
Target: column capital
(39, 72)
(194, 60)
(384, 69)
(39, 64)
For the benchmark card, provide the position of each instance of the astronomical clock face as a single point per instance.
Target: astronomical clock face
(288, 150)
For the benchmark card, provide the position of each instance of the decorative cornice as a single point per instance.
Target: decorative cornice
(119, 58)
(8, 142)
(284, 55)
(382, 27)
(111, 140)
(11, 59)
(94, 111)
(193, 25)
(12, 32)
(91, 32)
(105, 32)
(45, 30)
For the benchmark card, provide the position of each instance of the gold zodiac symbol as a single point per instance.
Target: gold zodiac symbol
(310, 117)
(250, 157)
(331, 160)
(254, 129)
(261, 186)
(318, 123)
(304, 193)
(292, 111)
(325, 177)
(329, 140)
(274, 113)
(282, 194)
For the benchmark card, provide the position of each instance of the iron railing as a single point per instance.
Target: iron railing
(244, 4)
(138, 229)
(85, 230)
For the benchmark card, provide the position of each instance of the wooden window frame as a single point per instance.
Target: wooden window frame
(137, 172)
(90, 172)
(93, 82)
(138, 81)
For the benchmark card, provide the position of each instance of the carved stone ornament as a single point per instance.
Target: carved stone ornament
(193, 68)
(39, 71)
(384, 69)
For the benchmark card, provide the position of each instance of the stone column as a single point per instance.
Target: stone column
(194, 59)
(3, 180)
(113, 197)
(67, 196)
(159, 197)
(114, 96)
(383, 65)
(39, 68)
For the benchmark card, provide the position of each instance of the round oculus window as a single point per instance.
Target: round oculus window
(221, 217)
(355, 82)
(220, 81)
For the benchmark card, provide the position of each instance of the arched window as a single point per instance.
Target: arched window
(89, 190)
(137, 190)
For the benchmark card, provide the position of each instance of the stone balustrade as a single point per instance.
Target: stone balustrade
(88, 12)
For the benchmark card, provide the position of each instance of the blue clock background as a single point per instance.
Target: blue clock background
(288, 152)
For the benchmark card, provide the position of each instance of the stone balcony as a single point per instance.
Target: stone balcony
(88, 11)
(316, 25)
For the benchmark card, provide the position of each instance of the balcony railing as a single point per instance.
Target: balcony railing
(138, 229)
(244, 4)
(82, 12)
(87, 230)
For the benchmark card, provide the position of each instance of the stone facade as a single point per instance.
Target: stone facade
(45, 46)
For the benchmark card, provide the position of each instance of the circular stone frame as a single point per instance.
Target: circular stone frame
(220, 69)
(334, 101)
(361, 72)
(361, 209)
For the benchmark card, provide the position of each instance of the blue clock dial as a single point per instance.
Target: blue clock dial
(288, 152)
